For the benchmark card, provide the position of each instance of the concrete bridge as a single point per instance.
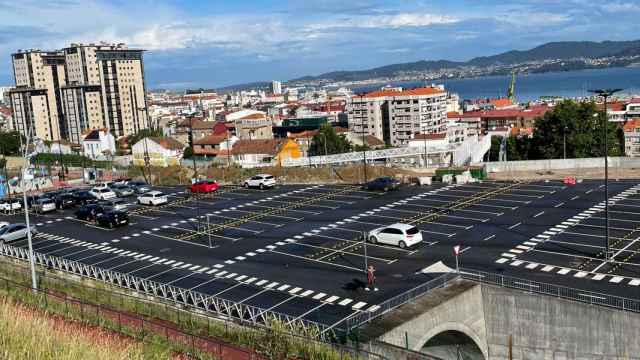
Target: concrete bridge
(468, 320)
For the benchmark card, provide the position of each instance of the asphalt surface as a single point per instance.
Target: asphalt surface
(296, 249)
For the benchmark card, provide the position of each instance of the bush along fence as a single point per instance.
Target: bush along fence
(150, 320)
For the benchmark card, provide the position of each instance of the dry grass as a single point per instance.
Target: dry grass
(30, 334)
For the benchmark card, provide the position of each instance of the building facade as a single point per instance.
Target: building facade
(395, 115)
(632, 138)
(60, 94)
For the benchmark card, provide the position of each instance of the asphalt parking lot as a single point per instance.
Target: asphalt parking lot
(297, 249)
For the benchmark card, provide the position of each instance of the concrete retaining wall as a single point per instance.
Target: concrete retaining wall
(541, 327)
(562, 164)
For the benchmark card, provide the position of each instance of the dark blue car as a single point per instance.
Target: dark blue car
(382, 184)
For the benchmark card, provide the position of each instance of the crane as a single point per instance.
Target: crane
(511, 91)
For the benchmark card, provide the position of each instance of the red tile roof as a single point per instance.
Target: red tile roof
(270, 146)
(168, 143)
(210, 140)
(532, 112)
(410, 92)
(631, 125)
(501, 102)
(256, 116)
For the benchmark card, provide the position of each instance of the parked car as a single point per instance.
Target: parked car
(103, 193)
(43, 205)
(382, 184)
(65, 201)
(204, 186)
(7, 205)
(122, 190)
(84, 197)
(112, 218)
(402, 235)
(140, 187)
(89, 212)
(3, 224)
(123, 181)
(260, 181)
(114, 204)
(153, 198)
(15, 232)
(103, 185)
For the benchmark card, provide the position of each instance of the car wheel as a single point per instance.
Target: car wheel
(245, 185)
(386, 188)
(139, 202)
(373, 240)
(110, 225)
(402, 244)
(261, 186)
(1, 241)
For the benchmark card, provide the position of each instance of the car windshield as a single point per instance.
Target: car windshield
(4, 229)
(412, 231)
(104, 190)
(269, 177)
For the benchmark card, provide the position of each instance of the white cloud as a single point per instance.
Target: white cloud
(394, 21)
(617, 7)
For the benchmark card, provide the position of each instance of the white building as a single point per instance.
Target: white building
(395, 115)
(162, 152)
(276, 87)
(99, 144)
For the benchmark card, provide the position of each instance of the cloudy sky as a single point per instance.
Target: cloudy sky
(222, 42)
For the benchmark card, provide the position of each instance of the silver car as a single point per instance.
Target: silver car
(15, 232)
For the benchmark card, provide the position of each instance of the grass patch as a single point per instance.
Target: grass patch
(274, 342)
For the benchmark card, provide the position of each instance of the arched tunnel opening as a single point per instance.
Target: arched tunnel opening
(453, 345)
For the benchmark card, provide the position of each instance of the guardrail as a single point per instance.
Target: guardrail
(563, 292)
(534, 287)
(399, 300)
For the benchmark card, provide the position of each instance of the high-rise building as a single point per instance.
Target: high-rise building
(276, 87)
(83, 87)
(38, 75)
(395, 115)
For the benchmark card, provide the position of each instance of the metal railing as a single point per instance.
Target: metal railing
(127, 323)
(138, 314)
(563, 292)
(530, 286)
(399, 300)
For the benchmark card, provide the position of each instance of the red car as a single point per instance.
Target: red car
(205, 186)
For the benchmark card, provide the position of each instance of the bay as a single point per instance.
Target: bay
(529, 87)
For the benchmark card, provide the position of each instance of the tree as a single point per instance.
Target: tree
(188, 153)
(579, 123)
(9, 143)
(328, 139)
(132, 139)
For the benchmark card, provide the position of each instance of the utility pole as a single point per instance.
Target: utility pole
(564, 142)
(195, 173)
(606, 93)
(25, 167)
(364, 143)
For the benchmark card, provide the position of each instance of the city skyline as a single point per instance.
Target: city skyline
(192, 44)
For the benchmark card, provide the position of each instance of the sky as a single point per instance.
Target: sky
(215, 43)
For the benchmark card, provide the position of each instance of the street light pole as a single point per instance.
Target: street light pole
(564, 142)
(606, 93)
(364, 144)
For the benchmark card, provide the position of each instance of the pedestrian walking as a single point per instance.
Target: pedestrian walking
(371, 279)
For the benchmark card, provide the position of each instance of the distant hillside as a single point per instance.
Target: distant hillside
(553, 50)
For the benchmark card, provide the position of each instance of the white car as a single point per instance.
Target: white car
(398, 234)
(101, 186)
(43, 205)
(153, 198)
(260, 181)
(7, 205)
(103, 193)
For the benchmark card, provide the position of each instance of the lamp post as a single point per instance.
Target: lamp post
(606, 93)
(564, 142)
(364, 143)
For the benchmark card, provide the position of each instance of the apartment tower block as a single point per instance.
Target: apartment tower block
(395, 115)
(62, 94)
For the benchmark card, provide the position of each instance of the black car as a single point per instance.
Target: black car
(382, 184)
(112, 218)
(89, 212)
(65, 201)
(83, 197)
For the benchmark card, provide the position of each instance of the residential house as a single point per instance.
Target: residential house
(254, 127)
(98, 144)
(439, 140)
(215, 146)
(633, 109)
(248, 153)
(163, 152)
(632, 138)
(63, 147)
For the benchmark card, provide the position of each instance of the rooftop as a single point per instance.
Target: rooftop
(411, 92)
